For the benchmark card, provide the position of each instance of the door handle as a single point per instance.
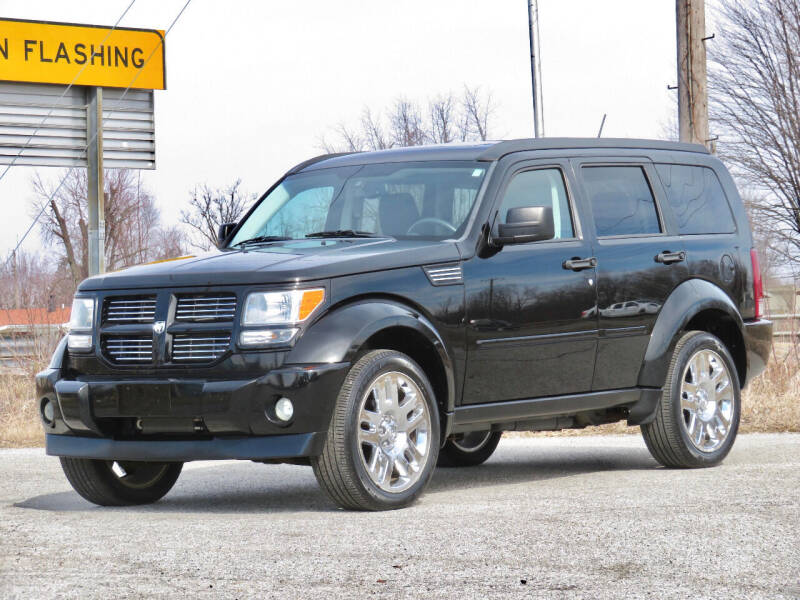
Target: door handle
(667, 257)
(579, 264)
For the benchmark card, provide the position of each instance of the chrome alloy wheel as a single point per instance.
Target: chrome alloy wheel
(393, 432)
(707, 402)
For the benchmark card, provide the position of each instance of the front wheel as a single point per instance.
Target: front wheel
(120, 483)
(469, 449)
(697, 421)
(383, 438)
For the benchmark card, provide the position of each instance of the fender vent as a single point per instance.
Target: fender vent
(449, 274)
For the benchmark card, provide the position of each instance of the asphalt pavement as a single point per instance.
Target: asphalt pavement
(545, 517)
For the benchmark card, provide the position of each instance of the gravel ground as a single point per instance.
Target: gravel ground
(591, 517)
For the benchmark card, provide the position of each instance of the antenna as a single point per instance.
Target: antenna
(603, 122)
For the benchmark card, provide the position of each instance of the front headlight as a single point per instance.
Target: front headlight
(268, 309)
(80, 325)
(82, 316)
(281, 308)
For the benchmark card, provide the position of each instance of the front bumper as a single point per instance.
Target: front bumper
(175, 419)
(758, 344)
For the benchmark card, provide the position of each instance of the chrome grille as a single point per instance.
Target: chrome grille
(128, 349)
(134, 309)
(201, 348)
(219, 307)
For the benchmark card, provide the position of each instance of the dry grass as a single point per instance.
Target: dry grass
(19, 416)
(771, 403)
(19, 408)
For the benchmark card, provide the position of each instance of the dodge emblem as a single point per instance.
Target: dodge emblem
(158, 327)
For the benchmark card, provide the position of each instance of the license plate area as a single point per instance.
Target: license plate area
(151, 400)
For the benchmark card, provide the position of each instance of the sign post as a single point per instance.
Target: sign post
(72, 131)
(96, 186)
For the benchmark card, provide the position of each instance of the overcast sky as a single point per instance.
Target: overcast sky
(252, 86)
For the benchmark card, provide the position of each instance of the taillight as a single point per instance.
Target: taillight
(758, 286)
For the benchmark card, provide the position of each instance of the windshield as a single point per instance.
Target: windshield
(403, 200)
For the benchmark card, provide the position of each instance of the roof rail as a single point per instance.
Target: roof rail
(500, 149)
(307, 163)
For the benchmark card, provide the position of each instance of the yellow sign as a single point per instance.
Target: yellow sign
(41, 52)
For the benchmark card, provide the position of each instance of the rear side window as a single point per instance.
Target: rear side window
(540, 187)
(622, 201)
(697, 199)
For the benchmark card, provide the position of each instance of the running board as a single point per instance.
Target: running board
(550, 406)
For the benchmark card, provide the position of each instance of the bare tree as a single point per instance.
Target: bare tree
(477, 112)
(30, 280)
(132, 222)
(377, 138)
(406, 124)
(442, 127)
(755, 108)
(209, 208)
(446, 118)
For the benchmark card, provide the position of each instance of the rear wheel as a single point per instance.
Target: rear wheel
(469, 449)
(697, 421)
(383, 437)
(120, 483)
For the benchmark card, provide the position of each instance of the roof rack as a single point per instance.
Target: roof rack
(500, 149)
(307, 163)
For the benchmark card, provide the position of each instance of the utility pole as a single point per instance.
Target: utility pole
(692, 90)
(536, 68)
(95, 197)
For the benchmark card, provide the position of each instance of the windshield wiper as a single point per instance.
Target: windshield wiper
(342, 233)
(263, 238)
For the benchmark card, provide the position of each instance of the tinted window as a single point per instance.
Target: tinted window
(622, 201)
(306, 212)
(429, 200)
(541, 187)
(696, 197)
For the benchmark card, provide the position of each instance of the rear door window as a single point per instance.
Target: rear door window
(622, 201)
(697, 199)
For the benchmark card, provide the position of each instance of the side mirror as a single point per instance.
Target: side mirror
(224, 232)
(526, 224)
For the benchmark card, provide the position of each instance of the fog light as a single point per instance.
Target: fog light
(79, 341)
(48, 412)
(284, 409)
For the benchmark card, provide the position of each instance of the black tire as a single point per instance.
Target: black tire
(144, 482)
(469, 449)
(667, 437)
(340, 470)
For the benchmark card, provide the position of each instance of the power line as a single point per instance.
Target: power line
(64, 93)
(100, 128)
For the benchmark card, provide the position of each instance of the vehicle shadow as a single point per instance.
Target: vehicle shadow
(541, 466)
(251, 488)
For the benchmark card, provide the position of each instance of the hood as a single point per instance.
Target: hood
(278, 262)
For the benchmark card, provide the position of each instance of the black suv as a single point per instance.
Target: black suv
(376, 313)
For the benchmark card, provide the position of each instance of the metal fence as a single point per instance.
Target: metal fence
(22, 346)
(786, 326)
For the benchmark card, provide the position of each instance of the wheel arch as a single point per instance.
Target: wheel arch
(695, 304)
(366, 324)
